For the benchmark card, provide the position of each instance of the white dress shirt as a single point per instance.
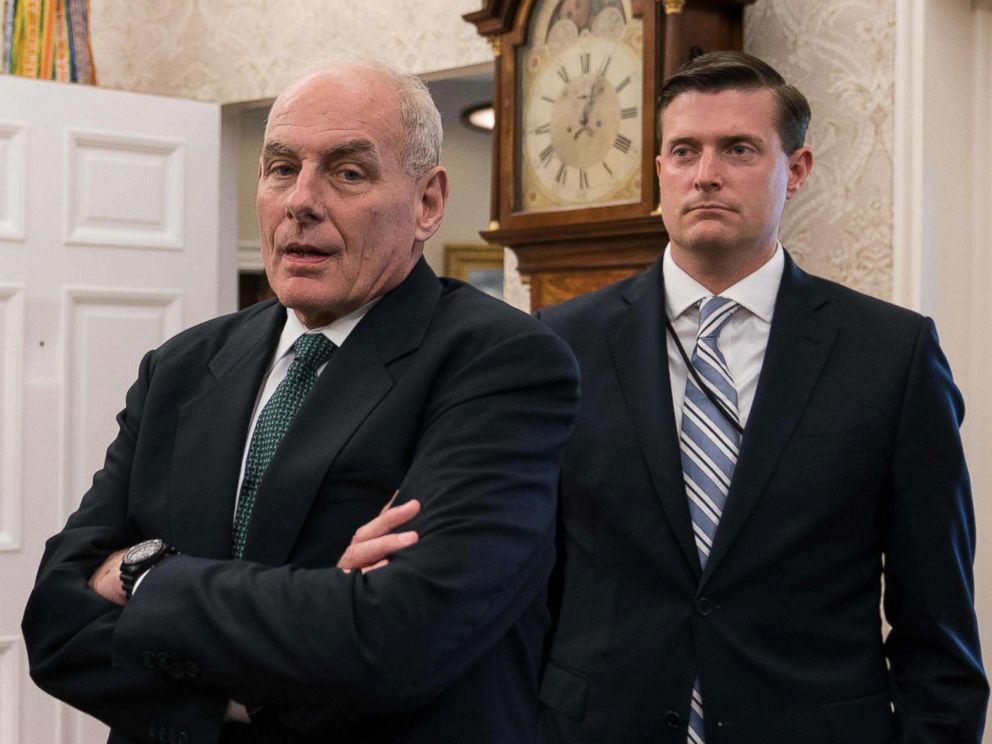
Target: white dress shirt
(743, 340)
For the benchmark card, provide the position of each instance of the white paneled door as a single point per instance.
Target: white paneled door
(109, 244)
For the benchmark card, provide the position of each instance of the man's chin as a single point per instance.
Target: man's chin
(709, 241)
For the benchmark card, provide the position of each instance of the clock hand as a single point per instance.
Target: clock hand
(593, 93)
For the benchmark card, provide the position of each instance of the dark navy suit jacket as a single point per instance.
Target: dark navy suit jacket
(450, 396)
(851, 461)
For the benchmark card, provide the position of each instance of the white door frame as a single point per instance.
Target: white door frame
(942, 258)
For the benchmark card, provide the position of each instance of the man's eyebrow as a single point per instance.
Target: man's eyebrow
(682, 141)
(274, 149)
(754, 139)
(724, 140)
(357, 146)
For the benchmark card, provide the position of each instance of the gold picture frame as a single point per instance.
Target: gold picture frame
(478, 264)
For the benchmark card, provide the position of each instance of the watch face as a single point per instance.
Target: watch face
(579, 132)
(143, 551)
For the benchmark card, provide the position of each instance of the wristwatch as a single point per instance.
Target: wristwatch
(139, 558)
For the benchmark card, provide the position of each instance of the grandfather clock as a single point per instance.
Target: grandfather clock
(576, 90)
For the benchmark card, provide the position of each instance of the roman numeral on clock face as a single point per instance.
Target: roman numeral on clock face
(584, 61)
(563, 74)
(622, 143)
(623, 83)
(544, 129)
(583, 179)
(562, 174)
(629, 113)
(546, 154)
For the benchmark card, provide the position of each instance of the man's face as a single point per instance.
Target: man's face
(723, 175)
(340, 221)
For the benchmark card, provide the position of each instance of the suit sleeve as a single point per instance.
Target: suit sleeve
(351, 646)
(68, 628)
(939, 690)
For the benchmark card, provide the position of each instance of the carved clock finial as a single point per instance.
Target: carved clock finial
(674, 6)
(496, 42)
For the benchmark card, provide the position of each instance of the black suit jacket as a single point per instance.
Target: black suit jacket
(851, 456)
(454, 398)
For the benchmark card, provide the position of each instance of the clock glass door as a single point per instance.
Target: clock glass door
(578, 134)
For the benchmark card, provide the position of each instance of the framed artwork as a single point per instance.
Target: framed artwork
(477, 264)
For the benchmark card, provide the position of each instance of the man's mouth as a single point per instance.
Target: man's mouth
(709, 206)
(302, 253)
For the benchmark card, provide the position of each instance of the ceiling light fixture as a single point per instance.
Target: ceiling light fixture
(480, 117)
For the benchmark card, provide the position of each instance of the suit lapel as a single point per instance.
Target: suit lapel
(354, 382)
(798, 347)
(637, 341)
(210, 437)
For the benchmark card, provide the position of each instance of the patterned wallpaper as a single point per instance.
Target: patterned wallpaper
(841, 54)
(239, 50)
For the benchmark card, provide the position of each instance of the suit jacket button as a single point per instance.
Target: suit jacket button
(673, 719)
(704, 606)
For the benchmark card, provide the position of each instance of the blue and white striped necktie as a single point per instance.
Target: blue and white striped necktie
(709, 444)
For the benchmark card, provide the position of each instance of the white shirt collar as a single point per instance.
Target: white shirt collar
(336, 331)
(756, 292)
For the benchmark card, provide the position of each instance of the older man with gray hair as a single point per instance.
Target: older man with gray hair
(203, 591)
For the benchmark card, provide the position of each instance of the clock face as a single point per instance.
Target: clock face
(579, 136)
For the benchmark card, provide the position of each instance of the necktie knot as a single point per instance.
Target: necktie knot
(312, 350)
(714, 312)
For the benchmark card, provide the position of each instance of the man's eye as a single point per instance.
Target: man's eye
(742, 149)
(351, 175)
(681, 152)
(280, 169)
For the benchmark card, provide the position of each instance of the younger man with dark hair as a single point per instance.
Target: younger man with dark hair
(756, 450)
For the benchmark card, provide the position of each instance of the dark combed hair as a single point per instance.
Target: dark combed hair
(715, 72)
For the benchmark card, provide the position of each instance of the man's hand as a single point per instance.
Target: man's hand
(236, 713)
(106, 580)
(374, 541)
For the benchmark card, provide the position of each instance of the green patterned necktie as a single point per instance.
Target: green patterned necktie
(312, 350)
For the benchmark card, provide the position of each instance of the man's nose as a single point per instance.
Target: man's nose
(708, 172)
(305, 202)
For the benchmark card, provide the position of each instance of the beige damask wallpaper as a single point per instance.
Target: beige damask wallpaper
(841, 54)
(238, 50)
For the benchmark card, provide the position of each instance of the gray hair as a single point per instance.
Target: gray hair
(419, 117)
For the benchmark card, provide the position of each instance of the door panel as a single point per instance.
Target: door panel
(109, 244)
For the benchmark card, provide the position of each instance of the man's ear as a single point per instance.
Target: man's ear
(433, 196)
(800, 164)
